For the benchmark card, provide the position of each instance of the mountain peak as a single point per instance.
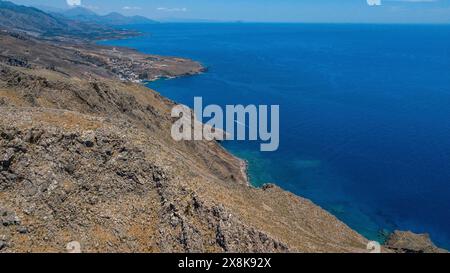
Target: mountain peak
(111, 19)
(79, 11)
(115, 13)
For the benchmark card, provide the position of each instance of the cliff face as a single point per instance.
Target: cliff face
(87, 157)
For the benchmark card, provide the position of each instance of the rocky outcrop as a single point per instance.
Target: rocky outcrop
(408, 242)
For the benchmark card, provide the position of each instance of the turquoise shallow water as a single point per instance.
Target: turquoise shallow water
(365, 129)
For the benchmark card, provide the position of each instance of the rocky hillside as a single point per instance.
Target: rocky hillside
(116, 187)
(86, 156)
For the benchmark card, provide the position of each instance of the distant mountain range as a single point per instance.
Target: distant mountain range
(77, 22)
(112, 19)
(15, 17)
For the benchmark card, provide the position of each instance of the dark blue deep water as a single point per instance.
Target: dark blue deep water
(365, 112)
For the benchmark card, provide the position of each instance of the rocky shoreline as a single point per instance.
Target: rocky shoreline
(86, 156)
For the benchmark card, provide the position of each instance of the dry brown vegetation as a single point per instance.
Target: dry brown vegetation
(89, 158)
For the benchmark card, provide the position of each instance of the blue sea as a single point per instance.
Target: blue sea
(365, 112)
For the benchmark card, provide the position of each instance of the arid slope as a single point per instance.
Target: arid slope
(86, 155)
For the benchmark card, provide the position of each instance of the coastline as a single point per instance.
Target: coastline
(199, 69)
(244, 169)
(139, 115)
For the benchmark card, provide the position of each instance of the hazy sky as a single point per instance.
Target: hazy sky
(390, 11)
